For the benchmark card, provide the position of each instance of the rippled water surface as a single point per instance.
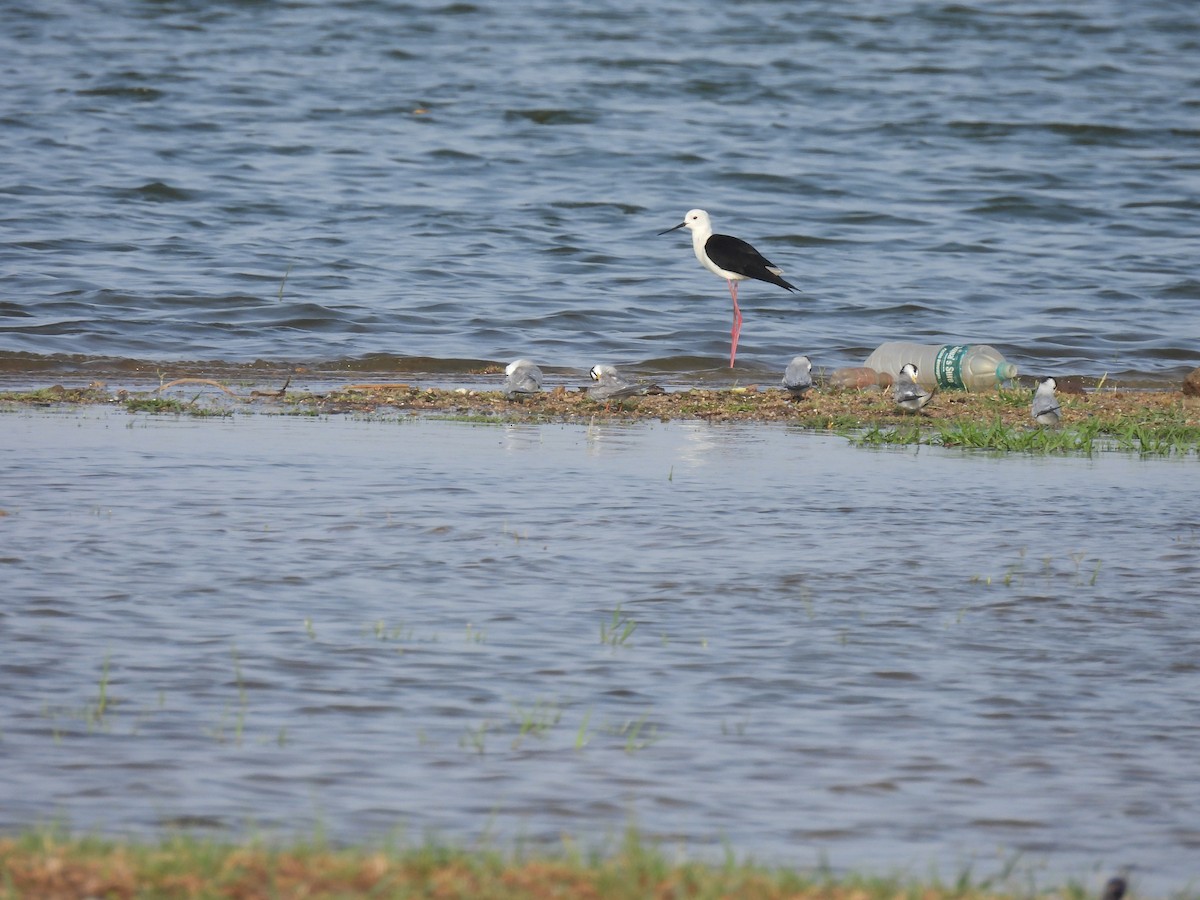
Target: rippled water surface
(887, 660)
(379, 185)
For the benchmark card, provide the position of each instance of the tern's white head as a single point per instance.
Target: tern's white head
(602, 371)
(801, 363)
(1048, 384)
(518, 364)
(910, 370)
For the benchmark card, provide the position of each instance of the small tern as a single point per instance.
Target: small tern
(522, 378)
(909, 395)
(1045, 409)
(611, 385)
(797, 377)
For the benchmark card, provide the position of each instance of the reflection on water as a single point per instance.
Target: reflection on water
(724, 633)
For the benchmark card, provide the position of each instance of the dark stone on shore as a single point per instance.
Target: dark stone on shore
(1115, 889)
(1191, 383)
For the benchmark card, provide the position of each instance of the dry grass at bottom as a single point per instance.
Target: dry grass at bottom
(49, 867)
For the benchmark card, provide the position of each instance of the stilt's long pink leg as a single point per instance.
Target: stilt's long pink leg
(737, 322)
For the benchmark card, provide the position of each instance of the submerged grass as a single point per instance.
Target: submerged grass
(171, 405)
(49, 864)
(1089, 436)
(617, 631)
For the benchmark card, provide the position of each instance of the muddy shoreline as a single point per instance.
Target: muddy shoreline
(824, 409)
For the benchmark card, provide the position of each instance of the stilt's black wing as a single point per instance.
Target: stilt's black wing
(735, 255)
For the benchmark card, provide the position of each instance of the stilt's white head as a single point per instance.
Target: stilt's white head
(696, 221)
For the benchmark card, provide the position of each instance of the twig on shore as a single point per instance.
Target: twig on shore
(393, 386)
(208, 381)
(278, 395)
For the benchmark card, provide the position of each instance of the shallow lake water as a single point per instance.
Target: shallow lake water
(387, 186)
(749, 637)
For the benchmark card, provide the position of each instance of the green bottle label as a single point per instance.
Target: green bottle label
(947, 366)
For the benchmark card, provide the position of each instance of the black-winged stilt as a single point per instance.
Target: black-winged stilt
(731, 258)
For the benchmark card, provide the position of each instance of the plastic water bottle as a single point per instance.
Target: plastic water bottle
(859, 378)
(972, 367)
